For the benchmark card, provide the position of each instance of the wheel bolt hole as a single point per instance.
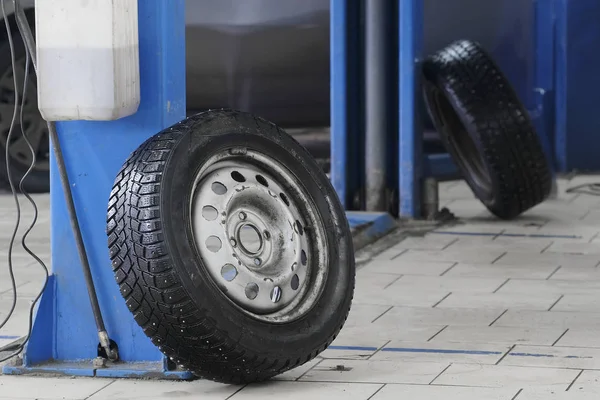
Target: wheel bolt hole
(261, 179)
(267, 235)
(251, 290)
(295, 283)
(257, 261)
(250, 239)
(284, 199)
(236, 176)
(228, 272)
(303, 258)
(219, 188)
(209, 213)
(276, 294)
(213, 244)
(299, 228)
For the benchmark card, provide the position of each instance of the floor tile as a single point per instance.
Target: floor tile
(426, 392)
(506, 376)
(552, 287)
(307, 390)
(501, 271)
(588, 302)
(523, 301)
(579, 337)
(556, 319)
(587, 382)
(474, 256)
(21, 387)
(494, 334)
(577, 274)
(545, 259)
(400, 267)
(156, 390)
(375, 371)
(479, 353)
(554, 357)
(447, 284)
(415, 316)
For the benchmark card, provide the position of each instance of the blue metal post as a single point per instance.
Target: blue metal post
(577, 84)
(410, 133)
(64, 338)
(345, 98)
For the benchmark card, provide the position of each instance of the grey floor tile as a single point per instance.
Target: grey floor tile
(504, 244)
(375, 371)
(552, 287)
(153, 390)
(440, 316)
(574, 248)
(414, 297)
(473, 256)
(579, 337)
(506, 376)
(307, 390)
(21, 387)
(587, 302)
(577, 274)
(554, 357)
(501, 271)
(428, 242)
(587, 382)
(549, 394)
(545, 319)
(397, 266)
(361, 314)
(378, 334)
(425, 392)
(494, 334)
(546, 259)
(447, 284)
(521, 301)
(479, 353)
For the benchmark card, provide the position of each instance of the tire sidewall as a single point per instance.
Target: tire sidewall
(444, 89)
(196, 147)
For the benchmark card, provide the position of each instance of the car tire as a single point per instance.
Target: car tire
(486, 129)
(217, 312)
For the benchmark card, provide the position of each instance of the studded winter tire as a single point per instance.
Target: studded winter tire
(486, 129)
(231, 247)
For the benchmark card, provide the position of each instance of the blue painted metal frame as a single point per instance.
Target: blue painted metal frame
(577, 84)
(345, 67)
(410, 141)
(64, 338)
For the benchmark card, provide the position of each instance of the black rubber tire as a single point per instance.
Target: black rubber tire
(38, 181)
(164, 281)
(486, 129)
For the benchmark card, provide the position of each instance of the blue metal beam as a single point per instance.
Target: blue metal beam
(410, 129)
(346, 111)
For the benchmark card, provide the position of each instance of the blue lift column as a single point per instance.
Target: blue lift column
(64, 338)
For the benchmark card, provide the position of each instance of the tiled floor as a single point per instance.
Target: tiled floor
(481, 310)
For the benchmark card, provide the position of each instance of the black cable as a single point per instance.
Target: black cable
(18, 348)
(105, 342)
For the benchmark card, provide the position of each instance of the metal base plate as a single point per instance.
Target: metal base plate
(143, 370)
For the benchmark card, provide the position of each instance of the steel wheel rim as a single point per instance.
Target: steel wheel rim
(279, 275)
(34, 125)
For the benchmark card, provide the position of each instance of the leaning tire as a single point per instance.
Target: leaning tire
(231, 310)
(486, 129)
